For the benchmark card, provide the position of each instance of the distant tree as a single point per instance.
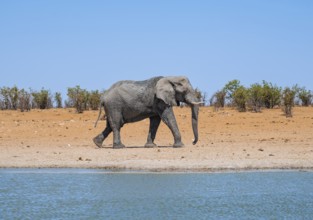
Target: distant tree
(86, 99)
(204, 98)
(305, 96)
(9, 97)
(24, 102)
(201, 96)
(288, 98)
(78, 98)
(42, 99)
(1, 103)
(230, 88)
(58, 99)
(5, 93)
(218, 99)
(13, 94)
(255, 97)
(68, 104)
(240, 96)
(271, 95)
(94, 99)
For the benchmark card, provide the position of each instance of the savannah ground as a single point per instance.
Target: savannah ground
(228, 140)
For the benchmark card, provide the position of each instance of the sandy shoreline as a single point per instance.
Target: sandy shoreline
(229, 141)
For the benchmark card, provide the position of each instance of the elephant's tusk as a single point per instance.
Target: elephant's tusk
(197, 103)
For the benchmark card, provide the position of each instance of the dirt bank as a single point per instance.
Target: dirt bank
(228, 140)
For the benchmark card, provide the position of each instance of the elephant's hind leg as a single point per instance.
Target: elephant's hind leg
(154, 124)
(98, 140)
(116, 122)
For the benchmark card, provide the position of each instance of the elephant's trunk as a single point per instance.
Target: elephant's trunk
(194, 120)
(192, 100)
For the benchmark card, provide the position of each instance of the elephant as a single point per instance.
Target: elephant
(131, 101)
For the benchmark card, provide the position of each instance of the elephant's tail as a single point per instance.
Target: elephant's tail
(100, 109)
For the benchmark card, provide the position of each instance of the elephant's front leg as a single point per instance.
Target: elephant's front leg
(154, 124)
(168, 117)
(116, 125)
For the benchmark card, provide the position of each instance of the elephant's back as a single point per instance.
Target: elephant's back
(129, 91)
(147, 82)
(133, 86)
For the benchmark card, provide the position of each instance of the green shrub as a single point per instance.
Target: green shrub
(305, 96)
(94, 100)
(218, 99)
(58, 99)
(288, 97)
(5, 97)
(255, 97)
(240, 96)
(14, 97)
(78, 98)
(24, 100)
(271, 95)
(9, 97)
(229, 90)
(42, 99)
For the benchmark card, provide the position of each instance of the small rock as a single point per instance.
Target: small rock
(80, 158)
(271, 155)
(260, 149)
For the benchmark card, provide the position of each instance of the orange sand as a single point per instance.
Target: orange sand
(228, 140)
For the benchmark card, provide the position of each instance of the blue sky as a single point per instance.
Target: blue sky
(59, 44)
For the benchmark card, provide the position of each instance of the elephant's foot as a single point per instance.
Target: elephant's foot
(178, 145)
(118, 146)
(150, 145)
(98, 141)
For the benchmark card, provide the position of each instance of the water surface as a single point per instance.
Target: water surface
(97, 194)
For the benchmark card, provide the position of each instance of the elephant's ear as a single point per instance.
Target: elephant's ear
(166, 92)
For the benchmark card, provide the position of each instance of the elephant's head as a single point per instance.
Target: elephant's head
(173, 90)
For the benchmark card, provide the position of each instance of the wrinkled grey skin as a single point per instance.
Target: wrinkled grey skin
(131, 101)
